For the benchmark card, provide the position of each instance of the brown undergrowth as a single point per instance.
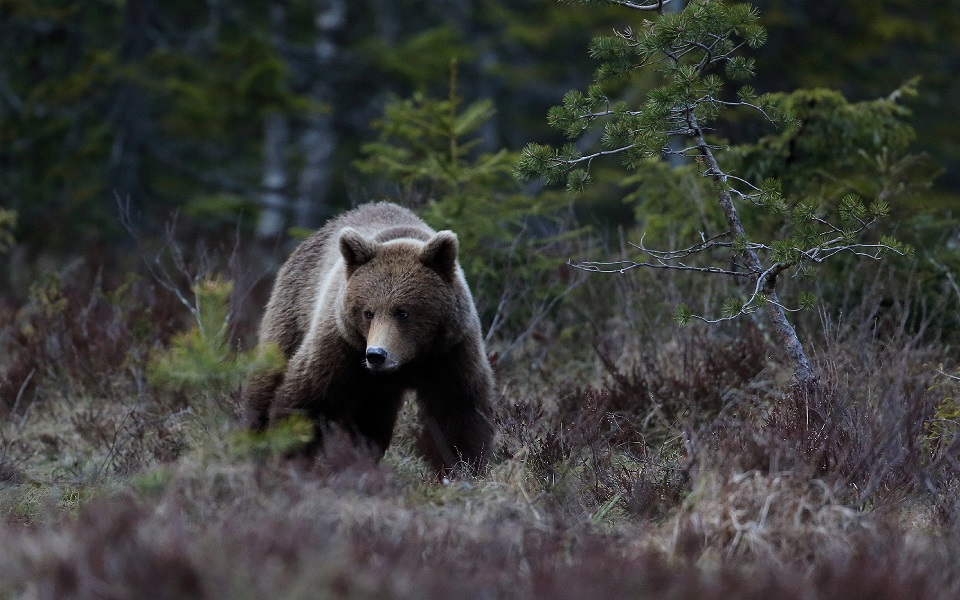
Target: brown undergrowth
(633, 459)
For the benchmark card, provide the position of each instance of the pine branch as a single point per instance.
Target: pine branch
(570, 162)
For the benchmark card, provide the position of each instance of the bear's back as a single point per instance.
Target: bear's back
(381, 221)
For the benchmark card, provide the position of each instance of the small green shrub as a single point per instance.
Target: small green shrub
(200, 359)
(288, 436)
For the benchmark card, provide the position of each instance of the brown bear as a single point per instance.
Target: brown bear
(368, 307)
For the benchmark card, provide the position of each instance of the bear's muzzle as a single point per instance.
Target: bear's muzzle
(378, 359)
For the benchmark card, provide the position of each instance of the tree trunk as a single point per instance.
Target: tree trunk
(276, 138)
(276, 209)
(318, 139)
(803, 373)
(130, 111)
(387, 20)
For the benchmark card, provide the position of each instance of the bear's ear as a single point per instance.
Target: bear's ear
(356, 249)
(440, 254)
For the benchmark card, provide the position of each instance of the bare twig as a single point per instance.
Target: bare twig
(499, 316)
(949, 275)
(627, 265)
(114, 444)
(947, 375)
(589, 157)
(156, 267)
(23, 387)
(705, 244)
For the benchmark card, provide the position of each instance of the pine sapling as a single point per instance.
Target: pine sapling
(696, 56)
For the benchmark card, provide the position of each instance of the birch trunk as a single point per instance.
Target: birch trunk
(276, 205)
(318, 139)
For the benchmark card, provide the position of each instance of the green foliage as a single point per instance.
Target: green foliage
(807, 300)
(682, 314)
(47, 295)
(944, 424)
(422, 59)
(684, 48)
(428, 145)
(732, 307)
(685, 51)
(152, 483)
(200, 359)
(869, 52)
(211, 210)
(891, 244)
(289, 435)
(93, 108)
(240, 81)
(832, 147)
(8, 220)
(671, 202)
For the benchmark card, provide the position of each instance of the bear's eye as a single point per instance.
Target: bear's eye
(368, 314)
(401, 314)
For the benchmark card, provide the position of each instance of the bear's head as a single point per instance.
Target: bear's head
(403, 299)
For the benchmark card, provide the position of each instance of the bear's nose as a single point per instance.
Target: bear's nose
(376, 356)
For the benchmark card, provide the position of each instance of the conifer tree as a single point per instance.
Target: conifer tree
(697, 54)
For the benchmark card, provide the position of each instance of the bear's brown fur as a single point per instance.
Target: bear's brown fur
(369, 306)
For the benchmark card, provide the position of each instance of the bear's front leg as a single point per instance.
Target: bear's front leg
(455, 392)
(315, 385)
(258, 396)
(376, 406)
(330, 386)
(305, 390)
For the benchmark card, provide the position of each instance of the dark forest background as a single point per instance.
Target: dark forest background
(252, 114)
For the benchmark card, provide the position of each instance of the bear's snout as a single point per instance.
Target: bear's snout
(387, 347)
(376, 357)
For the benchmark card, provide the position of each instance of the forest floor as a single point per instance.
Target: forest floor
(634, 459)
